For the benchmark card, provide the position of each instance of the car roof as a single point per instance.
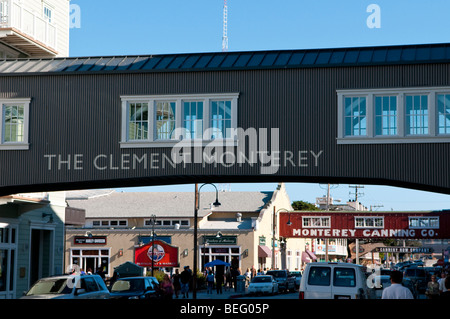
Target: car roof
(340, 264)
(138, 277)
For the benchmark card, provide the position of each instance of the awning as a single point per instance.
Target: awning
(264, 251)
(308, 256)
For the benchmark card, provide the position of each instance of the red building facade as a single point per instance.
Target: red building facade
(401, 225)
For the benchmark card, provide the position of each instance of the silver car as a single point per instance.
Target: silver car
(69, 287)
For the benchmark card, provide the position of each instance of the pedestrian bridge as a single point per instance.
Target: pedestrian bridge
(370, 115)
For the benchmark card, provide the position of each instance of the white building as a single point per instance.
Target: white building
(31, 240)
(34, 28)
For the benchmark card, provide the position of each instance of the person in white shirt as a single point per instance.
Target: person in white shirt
(441, 282)
(396, 290)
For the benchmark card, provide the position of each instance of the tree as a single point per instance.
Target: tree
(302, 205)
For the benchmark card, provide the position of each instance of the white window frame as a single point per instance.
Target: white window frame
(106, 223)
(365, 224)
(165, 222)
(50, 9)
(432, 136)
(320, 219)
(24, 145)
(152, 142)
(424, 218)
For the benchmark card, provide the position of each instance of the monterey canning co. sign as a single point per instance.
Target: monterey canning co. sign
(326, 224)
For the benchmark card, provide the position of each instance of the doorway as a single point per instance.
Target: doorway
(41, 254)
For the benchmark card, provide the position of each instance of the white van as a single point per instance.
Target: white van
(327, 280)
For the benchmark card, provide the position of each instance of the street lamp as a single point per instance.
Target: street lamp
(273, 231)
(153, 221)
(196, 208)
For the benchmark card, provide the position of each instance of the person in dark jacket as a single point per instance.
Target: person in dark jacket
(446, 294)
(185, 278)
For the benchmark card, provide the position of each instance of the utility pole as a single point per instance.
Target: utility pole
(194, 279)
(273, 236)
(356, 187)
(328, 208)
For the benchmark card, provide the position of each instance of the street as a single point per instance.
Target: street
(231, 294)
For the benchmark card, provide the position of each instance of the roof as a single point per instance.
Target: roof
(353, 56)
(109, 203)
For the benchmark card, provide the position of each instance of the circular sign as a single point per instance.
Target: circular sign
(158, 253)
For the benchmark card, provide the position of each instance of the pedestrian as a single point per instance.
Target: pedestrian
(234, 274)
(166, 287)
(210, 282)
(228, 284)
(446, 293)
(432, 291)
(396, 290)
(176, 282)
(253, 271)
(247, 277)
(441, 282)
(185, 278)
(219, 280)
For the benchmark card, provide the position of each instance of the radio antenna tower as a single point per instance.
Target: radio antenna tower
(225, 27)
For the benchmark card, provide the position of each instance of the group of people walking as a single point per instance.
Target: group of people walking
(178, 285)
(438, 288)
(435, 289)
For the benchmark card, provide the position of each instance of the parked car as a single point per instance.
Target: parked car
(69, 287)
(418, 276)
(327, 280)
(298, 277)
(263, 284)
(283, 277)
(135, 288)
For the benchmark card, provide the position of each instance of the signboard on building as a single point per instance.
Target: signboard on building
(222, 240)
(89, 240)
(401, 225)
(162, 254)
(407, 250)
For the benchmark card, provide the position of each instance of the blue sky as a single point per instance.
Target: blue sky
(175, 26)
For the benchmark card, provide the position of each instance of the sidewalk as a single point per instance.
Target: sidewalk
(226, 294)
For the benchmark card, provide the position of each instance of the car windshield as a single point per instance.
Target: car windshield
(128, 285)
(51, 286)
(258, 279)
(277, 274)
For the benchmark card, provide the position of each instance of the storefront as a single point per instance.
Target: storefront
(8, 262)
(223, 248)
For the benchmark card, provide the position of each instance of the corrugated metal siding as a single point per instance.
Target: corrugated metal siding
(76, 113)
